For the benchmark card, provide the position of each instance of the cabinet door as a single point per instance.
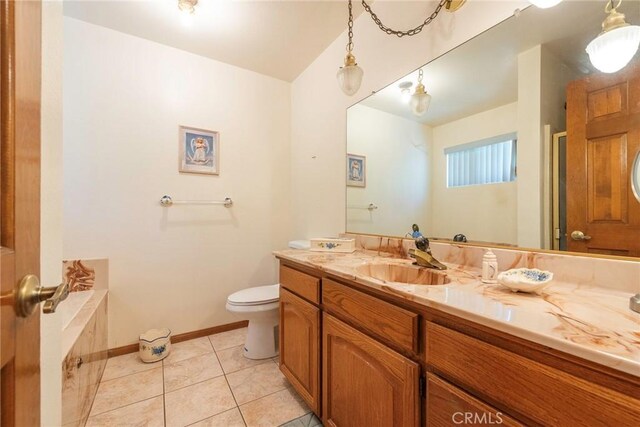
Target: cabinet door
(364, 382)
(448, 405)
(300, 347)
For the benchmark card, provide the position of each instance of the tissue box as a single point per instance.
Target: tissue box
(333, 245)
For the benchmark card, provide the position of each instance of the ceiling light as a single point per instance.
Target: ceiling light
(544, 4)
(420, 99)
(187, 6)
(350, 76)
(616, 44)
(405, 91)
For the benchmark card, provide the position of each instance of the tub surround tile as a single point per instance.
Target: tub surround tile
(232, 359)
(258, 381)
(147, 413)
(198, 402)
(230, 418)
(191, 371)
(188, 349)
(274, 409)
(228, 339)
(126, 364)
(72, 332)
(83, 365)
(124, 391)
(579, 317)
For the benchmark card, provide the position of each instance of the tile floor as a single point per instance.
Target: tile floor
(203, 382)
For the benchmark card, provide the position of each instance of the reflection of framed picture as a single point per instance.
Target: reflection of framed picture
(199, 151)
(356, 170)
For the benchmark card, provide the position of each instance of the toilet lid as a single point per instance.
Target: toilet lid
(255, 296)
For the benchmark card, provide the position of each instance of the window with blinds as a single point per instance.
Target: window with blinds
(488, 161)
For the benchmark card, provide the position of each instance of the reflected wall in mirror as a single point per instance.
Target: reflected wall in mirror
(524, 142)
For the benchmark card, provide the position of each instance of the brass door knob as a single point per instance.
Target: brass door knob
(29, 294)
(579, 235)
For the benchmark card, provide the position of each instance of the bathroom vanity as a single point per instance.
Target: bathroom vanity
(369, 340)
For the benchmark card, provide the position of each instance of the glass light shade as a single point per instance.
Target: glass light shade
(612, 50)
(420, 103)
(350, 78)
(544, 4)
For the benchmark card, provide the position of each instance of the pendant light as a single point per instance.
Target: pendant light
(616, 44)
(187, 7)
(544, 4)
(350, 76)
(420, 99)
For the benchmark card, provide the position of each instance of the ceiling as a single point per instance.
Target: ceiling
(482, 74)
(276, 38)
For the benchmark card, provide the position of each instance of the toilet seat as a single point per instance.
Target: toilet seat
(259, 295)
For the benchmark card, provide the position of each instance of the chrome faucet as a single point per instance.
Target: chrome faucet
(422, 255)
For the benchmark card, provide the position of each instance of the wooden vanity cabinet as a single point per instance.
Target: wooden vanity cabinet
(365, 383)
(299, 338)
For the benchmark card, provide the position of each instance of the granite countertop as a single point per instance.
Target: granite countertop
(593, 323)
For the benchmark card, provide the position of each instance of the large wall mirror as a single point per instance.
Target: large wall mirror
(524, 142)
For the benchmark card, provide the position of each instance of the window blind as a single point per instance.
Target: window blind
(482, 162)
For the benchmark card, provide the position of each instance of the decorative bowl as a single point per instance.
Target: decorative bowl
(531, 280)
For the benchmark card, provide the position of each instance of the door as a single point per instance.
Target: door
(603, 140)
(300, 347)
(365, 383)
(20, 208)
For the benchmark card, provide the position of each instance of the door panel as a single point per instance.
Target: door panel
(366, 383)
(300, 346)
(603, 139)
(20, 206)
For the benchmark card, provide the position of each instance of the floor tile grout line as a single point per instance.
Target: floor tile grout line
(123, 406)
(164, 397)
(234, 399)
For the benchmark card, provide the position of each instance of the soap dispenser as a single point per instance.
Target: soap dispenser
(489, 267)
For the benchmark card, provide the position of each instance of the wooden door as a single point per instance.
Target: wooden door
(603, 140)
(20, 207)
(364, 382)
(300, 347)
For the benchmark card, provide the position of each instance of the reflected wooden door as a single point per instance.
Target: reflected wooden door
(603, 141)
(20, 207)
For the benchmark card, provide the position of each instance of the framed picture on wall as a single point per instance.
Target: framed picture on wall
(199, 151)
(356, 170)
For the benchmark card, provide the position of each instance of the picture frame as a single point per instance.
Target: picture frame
(199, 151)
(356, 170)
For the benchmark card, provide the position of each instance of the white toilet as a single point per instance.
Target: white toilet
(260, 306)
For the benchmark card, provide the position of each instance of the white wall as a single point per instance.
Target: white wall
(51, 207)
(398, 172)
(318, 106)
(124, 99)
(481, 212)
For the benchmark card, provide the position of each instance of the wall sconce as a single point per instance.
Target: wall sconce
(420, 99)
(616, 44)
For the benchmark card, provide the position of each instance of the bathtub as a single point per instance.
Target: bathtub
(74, 355)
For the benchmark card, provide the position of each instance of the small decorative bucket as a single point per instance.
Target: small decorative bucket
(155, 345)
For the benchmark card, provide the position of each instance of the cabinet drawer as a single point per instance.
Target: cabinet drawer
(531, 390)
(448, 405)
(306, 286)
(394, 325)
